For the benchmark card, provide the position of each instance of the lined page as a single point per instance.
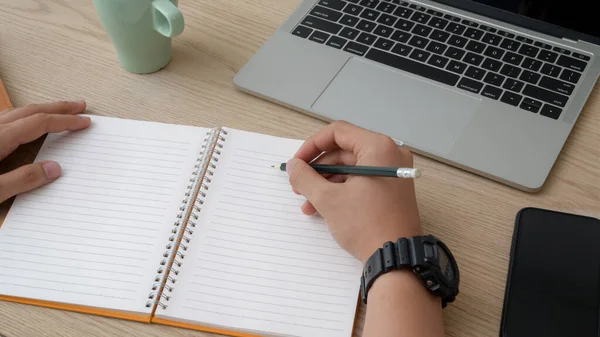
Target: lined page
(256, 263)
(95, 237)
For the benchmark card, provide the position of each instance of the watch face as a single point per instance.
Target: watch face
(446, 264)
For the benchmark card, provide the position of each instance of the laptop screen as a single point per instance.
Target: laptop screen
(578, 15)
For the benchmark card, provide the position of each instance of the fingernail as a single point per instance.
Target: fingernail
(80, 105)
(52, 169)
(290, 165)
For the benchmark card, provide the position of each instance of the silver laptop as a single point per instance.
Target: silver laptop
(490, 86)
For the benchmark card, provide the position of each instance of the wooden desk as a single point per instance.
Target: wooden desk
(57, 49)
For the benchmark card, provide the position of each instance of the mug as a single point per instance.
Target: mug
(141, 31)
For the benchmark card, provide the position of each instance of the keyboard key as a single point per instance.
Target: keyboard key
(366, 26)
(475, 73)
(488, 29)
(420, 17)
(457, 67)
(326, 13)
(494, 79)
(320, 24)
(420, 55)
(492, 39)
(547, 56)
(403, 12)
(542, 45)
(387, 20)
(528, 50)
(581, 57)
(333, 4)
(531, 64)
(319, 37)
(349, 33)
(524, 39)
(366, 38)
(401, 49)
(506, 34)
(551, 111)
(451, 18)
(386, 7)
(511, 45)
(492, 65)
(530, 105)
(302, 31)
(353, 1)
(401, 36)
(550, 70)
(356, 48)
(556, 85)
(455, 28)
(473, 59)
(457, 41)
(419, 42)
(473, 33)
(570, 76)
(369, 3)
(546, 95)
(491, 92)
(336, 42)
(384, 31)
(529, 77)
(422, 30)
(413, 67)
(470, 85)
(512, 58)
(438, 23)
(513, 85)
(476, 47)
(417, 7)
(384, 44)
(510, 71)
(435, 13)
(404, 25)
(438, 61)
(454, 53)
(353, 9)
(439, 35)
(470, 23)
(494, 52)
(571, 63)
(561, 51)
(436, 47)
(511, 98)
(349, 20)
(369, 14)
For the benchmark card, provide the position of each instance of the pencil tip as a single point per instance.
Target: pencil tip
(277, 166)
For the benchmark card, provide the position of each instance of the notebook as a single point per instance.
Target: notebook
(4, 100)
(177, 225)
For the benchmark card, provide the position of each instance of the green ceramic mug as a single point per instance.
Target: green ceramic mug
(141, 31)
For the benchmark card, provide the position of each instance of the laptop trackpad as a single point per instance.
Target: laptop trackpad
(425, 116)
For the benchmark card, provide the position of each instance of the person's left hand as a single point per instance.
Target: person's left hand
(26, 124)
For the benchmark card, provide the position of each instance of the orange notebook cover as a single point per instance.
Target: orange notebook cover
(4, 100)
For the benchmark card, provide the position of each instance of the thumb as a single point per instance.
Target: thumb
(27, 178)
(306, 181)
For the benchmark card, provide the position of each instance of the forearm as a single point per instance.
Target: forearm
(399, 305)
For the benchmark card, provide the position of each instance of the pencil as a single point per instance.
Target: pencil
(375, 171)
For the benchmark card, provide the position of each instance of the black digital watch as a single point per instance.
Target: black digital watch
(426, 256)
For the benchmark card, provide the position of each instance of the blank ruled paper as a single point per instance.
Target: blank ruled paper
(95, 237)
(256, 263)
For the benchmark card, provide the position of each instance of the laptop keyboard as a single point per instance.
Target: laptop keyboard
(483, 60)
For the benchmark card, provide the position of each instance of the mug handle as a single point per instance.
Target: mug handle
(168, 19)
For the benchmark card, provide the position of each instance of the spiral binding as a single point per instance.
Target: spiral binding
(183, 228)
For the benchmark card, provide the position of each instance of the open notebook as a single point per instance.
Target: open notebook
(177, 225)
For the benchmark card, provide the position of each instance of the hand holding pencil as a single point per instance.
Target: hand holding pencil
(362, 213)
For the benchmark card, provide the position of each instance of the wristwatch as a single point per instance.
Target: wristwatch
(426, 256)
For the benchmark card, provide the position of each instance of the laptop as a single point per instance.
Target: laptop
(490, 86)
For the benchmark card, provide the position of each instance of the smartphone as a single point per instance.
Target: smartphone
(553, 283)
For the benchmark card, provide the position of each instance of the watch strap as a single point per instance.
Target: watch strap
(393, 256)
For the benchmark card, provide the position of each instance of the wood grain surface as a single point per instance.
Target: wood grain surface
(57, 50)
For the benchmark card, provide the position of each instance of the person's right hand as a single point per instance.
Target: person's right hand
(362, 212)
